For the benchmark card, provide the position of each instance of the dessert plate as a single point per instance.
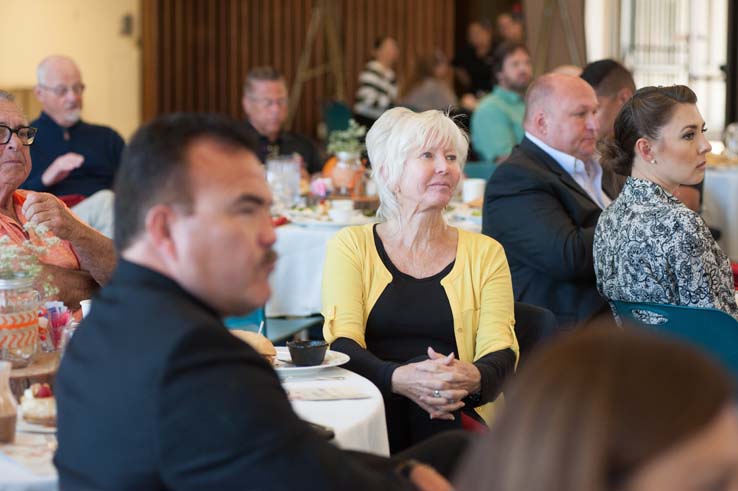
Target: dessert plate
(24, 426)
(284, 367)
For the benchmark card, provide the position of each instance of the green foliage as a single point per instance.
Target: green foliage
(348, 140)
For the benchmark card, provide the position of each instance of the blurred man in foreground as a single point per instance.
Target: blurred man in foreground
(153, 374)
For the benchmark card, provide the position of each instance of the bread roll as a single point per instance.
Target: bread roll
(259, 343)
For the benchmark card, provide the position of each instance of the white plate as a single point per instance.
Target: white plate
(328, 223)
(285, 368)
(23, 426)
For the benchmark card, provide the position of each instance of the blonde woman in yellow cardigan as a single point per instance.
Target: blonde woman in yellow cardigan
(425, 310)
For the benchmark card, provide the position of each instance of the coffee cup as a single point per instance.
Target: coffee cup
(86, 305)
(473, 189)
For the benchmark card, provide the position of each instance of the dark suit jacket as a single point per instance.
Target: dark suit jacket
(154, 393)
(546, 223)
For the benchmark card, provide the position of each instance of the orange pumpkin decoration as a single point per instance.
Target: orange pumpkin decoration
(328, 166)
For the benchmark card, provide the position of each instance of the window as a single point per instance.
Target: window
(666, 42)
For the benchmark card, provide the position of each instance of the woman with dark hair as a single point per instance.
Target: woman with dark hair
(648, 246)
(377, 88)
(611, 410)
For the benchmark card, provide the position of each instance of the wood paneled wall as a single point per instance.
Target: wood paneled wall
(196, 53)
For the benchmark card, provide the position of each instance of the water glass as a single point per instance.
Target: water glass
(283, 175)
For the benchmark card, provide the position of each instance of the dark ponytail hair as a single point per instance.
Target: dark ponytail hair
(643, 115)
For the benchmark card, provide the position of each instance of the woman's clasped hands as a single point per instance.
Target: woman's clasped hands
(437, 384)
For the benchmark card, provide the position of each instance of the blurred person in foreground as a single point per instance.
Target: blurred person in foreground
(612, 410)
(83, 259)
(543, 202)
(497, 123)
(425, 310)
(153, 392)
(648, 246)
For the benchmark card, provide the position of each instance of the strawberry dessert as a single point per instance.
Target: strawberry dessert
(38, 405)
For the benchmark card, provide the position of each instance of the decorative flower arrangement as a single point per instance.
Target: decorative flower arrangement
(23, 260)
(349, 140)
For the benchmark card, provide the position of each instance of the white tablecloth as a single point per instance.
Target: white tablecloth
(26, 465)
(297, 276)
(721, 206)
(358, 424)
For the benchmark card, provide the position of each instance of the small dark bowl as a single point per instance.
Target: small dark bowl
(307, 353)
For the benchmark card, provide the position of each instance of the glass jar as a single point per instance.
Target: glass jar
(8, 406)
(19, 303)
(345, 172)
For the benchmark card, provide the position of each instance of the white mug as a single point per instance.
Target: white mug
(85, 304)
(473, 189)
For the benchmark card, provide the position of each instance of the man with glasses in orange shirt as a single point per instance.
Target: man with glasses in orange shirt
(265, 104)
(82, 259)
(72, 159)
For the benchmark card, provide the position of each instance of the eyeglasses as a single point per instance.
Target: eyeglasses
(62, 90)
(265, 103)
(26, 134)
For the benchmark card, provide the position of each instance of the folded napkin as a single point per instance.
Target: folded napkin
(324, 393)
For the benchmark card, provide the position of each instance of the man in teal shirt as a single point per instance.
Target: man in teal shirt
(497, 123)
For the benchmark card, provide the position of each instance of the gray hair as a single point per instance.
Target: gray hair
(9, 97)
(6, 96)
(262, 74)
(45, 65)
(394, 135)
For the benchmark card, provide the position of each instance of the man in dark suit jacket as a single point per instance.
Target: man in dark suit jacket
(543, 203)
(153, 392)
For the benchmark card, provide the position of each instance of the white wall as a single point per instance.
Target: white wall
(602, 29)
(89, 32)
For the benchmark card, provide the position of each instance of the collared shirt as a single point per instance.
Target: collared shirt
(497, 124)
(101, 147)
(587, 174)
(61, 254)
(288, 143)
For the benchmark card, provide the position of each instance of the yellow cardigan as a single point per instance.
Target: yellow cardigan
(479, 290)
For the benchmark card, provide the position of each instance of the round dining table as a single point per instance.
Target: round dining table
(358, 424)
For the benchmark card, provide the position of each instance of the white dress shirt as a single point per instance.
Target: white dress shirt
(587, 174)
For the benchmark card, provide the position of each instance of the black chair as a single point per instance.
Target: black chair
(532, 325)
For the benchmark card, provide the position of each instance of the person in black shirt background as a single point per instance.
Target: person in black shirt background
(473, 62)
(265, 101)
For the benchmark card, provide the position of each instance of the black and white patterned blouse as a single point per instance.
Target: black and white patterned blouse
(649, 247)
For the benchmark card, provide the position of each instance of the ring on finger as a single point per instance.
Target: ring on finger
(437, 393)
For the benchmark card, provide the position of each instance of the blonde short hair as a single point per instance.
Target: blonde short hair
(398, 132)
